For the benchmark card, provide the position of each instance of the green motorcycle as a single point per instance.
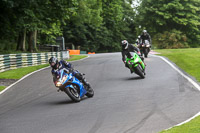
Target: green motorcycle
(136, 65)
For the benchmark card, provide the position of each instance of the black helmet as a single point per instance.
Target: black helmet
(53, 61)
(124, 44)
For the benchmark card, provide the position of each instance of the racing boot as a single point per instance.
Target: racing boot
(144, 71)
(86, 83)
(131, 71)
(142, 58)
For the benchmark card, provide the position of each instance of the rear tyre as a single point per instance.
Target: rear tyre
(90, 92)
(138, 70)
(73, 93)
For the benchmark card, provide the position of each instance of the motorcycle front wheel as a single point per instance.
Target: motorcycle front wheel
(73, 93)
(145, 52)
(139, 71)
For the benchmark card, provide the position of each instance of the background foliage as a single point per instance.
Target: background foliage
(98, 25)
(164, 18)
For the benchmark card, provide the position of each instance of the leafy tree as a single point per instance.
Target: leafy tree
(95, 25)
(128, 25)
(159, 16)
(101, 25)
(28, 17)
(81, 27)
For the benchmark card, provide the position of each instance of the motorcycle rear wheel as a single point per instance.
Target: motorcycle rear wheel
(90, 92)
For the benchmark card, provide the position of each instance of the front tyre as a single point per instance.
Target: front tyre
(146, 52)
(142, 51)
(73, 93)
(138, 70)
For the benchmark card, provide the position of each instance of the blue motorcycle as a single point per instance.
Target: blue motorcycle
(66, 82)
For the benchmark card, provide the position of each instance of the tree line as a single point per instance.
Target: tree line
(98, 25)
(172, 23)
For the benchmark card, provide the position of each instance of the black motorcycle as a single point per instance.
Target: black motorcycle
(145, 48)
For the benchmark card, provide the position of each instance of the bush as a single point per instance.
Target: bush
(171, 40)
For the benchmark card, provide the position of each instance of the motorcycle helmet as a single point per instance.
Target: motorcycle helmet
(125, 44)
(53, 62)
(144, 32)
(138, 37)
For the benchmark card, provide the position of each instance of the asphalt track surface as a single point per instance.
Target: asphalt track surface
(123, 103)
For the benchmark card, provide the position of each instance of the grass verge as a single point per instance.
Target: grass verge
(20, 72)
(2, 88)
(190, 127)
(186, 59)
(76, 57)
(189, 61)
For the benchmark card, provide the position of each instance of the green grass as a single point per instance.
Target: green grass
(191, 127)
(189, 61)
(76, 57)
(2, 87)
(20, 72)
(186, 59)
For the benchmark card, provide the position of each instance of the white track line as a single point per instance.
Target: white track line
(181, 73)
(186, 120)
(31, 74)
(189, 79)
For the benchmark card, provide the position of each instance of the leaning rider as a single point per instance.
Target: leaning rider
(126, 49)
(56, 65)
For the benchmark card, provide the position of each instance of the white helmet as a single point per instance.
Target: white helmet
(124, 44)
(144, 31)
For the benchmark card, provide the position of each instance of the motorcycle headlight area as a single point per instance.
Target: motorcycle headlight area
(59, 83)
(136, 60)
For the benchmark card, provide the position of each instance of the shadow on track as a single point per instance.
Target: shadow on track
(65, 102)
(61, 102)
(133, 78)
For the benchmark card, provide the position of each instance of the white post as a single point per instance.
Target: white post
(63, 43)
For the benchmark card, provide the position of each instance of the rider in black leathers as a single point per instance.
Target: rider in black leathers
(126, 49)
(145, 36)
(56, 65)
